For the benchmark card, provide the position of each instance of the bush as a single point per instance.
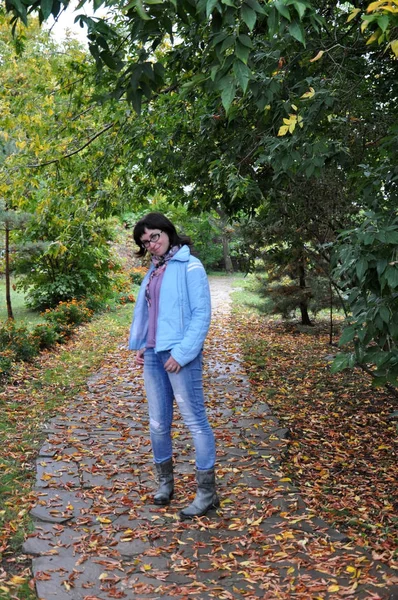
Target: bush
(68, 315)
(46, 335)
(137, 275)
(96, 303)
(18, 341)
(6, 360)
(126, 298)
(19, 344)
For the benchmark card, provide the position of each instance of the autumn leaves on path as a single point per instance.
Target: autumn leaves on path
(97, 536)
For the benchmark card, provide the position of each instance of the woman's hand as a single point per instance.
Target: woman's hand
(139, 357)
(172, 366)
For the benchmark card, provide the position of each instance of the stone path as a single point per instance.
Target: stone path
(98, 537)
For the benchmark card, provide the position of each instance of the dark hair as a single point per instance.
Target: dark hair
(156, 220)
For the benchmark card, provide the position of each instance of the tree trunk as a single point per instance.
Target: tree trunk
(7, 274)
(331, 315)
(227, 257)
(305, 318)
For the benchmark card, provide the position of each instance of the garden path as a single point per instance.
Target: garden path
(98, 537)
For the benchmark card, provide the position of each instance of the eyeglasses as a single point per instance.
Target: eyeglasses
(152, 240)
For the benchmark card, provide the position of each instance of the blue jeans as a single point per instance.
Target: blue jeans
(187, 389)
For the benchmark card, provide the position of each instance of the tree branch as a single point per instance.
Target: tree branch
(57, 160)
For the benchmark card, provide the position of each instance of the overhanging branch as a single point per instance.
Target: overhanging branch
(57, 160)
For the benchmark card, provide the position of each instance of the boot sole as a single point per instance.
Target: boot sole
(185, 517)
(163, 502)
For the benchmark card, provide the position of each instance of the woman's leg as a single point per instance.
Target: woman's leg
(160, 396)
(187, 386)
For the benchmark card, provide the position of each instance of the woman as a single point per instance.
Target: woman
(171, 321)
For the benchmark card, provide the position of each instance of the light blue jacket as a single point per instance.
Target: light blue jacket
(184, 309)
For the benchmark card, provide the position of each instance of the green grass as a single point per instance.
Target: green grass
(246, 295)
(22, 314)
(248, 298)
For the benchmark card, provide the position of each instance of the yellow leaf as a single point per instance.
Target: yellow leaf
(292, 127)
(291, 570)
(394, 47)
(353, 14)
(374, 37)
(364, 25)
(104, 520)
(319, 55)
(103, 576)
(234, 526)
(375, 5)
(147, 567)
(283, 130)
(17, 580)
(309, 94)
(294, 107)
(333, 588)
(350, 569)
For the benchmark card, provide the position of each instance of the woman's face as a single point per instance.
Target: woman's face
(156, 241)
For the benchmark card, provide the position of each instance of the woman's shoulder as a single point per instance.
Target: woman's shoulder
(184, 256)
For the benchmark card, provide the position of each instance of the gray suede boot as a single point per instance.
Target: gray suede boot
(165, 492)
(206, 496)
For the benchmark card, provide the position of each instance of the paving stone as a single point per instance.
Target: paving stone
(67, 578)
(58, 506)
(127, 547)
(48, 539)
(53, 472)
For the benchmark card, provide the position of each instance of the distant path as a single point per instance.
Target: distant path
(220, 289)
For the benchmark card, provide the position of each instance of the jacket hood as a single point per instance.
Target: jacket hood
(183, 254)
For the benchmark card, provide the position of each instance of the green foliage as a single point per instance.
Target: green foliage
(367, 268)
(137, 275)
(77, 263)
(6, 361)
(284, 296)
(259, 122)
(68, 315)
(18, 341)
(46, 335)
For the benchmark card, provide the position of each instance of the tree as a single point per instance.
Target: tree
(10, 221)
(57, 164)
